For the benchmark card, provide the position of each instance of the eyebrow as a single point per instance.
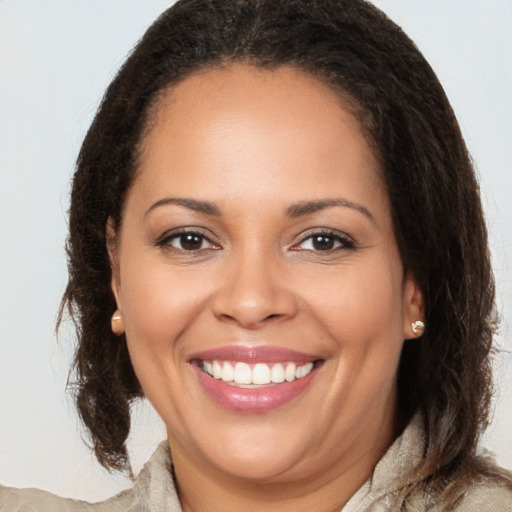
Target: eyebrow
(296, 210)
(307, 207)
(192, 204)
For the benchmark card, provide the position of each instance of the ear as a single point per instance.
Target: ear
(414, 306)
(113, 256)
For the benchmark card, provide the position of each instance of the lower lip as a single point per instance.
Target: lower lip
(254, 400)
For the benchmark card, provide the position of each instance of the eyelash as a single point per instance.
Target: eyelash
(332, 237)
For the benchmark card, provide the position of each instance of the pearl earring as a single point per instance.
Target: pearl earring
(116, 323)
(418, 327)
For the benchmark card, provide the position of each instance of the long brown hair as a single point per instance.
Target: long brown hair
(437, 214)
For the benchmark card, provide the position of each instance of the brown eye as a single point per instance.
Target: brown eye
(186, 240)
(323, 242)
(191, 242)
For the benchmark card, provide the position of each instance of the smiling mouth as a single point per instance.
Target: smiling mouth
(244, 375)
(254, 379)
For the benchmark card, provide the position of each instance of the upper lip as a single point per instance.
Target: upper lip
(253, 354)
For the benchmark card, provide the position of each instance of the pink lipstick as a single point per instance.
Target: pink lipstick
(254, 379)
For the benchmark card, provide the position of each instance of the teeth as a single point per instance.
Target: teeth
(277, 373)
(260, 374)
(217, 370)
(242, 373)
(302, 371)
(228, 373)
(290, 372)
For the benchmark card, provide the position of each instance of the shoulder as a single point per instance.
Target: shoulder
(35, 500)
(394, 484)
(153, 490)
(486, 496)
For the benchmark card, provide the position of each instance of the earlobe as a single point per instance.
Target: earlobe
(112, 249)
(414, 310)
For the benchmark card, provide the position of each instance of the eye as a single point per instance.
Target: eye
(188, 241)
(324, 242)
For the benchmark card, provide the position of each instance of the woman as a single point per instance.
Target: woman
(256, 246)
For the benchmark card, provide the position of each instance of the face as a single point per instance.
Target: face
(263, 296)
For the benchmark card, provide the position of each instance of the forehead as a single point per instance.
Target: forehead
(241, 126)
(230, 85)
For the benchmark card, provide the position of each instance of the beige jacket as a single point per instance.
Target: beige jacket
(154, 489)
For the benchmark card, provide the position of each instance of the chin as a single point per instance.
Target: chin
(258, 459)
(255, 448)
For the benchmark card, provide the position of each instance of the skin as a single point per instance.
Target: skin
(254, 143)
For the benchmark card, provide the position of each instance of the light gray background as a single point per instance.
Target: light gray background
(56, 58)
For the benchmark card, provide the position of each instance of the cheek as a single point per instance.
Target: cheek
(157, 305)
(157, 301)
(362, 315)
(360, 302)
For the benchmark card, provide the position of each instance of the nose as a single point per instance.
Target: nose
(253, 293)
